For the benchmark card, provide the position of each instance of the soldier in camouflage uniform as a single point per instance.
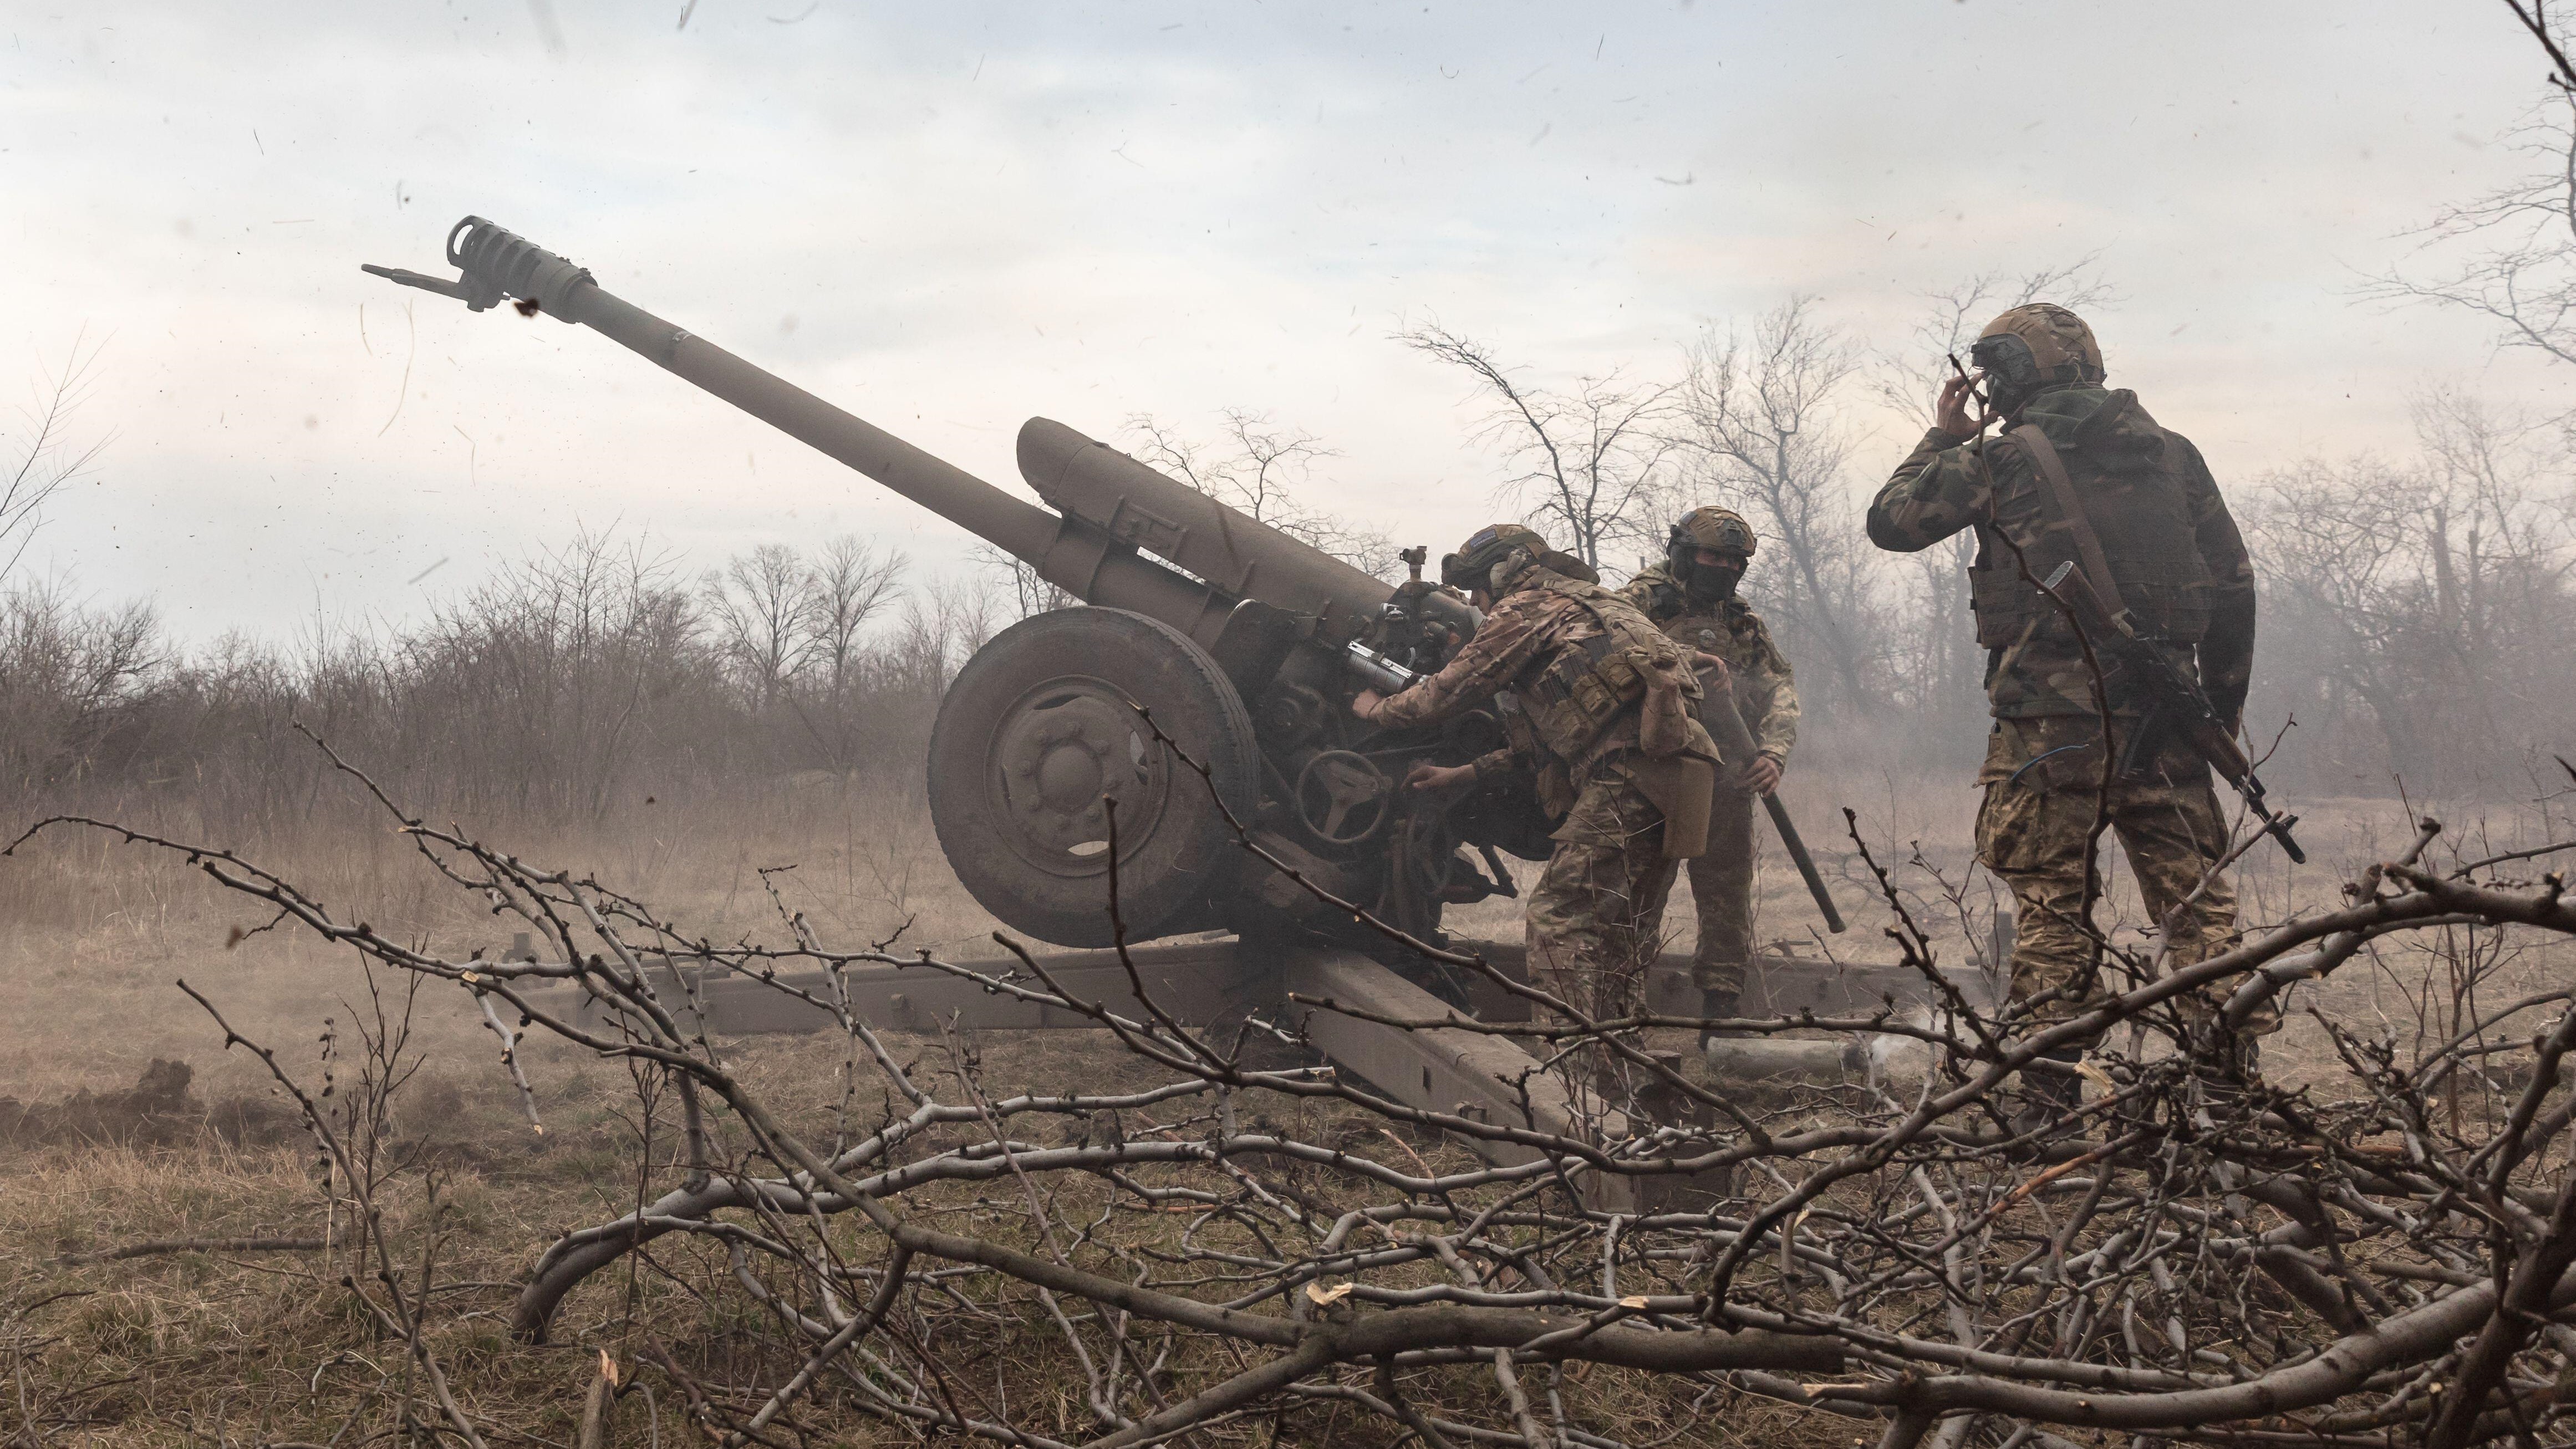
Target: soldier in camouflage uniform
(2180, 568)
(1691, 596)
(1598, 705)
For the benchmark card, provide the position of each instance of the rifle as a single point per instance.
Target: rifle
(2172, 698)
(1725, 721)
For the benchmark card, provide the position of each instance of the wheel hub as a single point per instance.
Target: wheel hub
(1069, 779)
(1058, 754)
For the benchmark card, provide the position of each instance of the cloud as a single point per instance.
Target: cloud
(978, 212)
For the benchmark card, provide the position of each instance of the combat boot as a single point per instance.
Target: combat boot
(2229, 1073)
(1718, 1001)
(2049, 1099)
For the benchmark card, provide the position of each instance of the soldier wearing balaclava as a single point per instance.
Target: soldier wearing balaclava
(1691, 595)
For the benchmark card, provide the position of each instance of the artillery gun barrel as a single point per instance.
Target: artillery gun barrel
(499, 265)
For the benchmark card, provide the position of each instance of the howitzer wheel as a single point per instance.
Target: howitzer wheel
(1042, 726)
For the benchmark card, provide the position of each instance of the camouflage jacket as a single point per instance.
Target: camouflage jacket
(1765, 688)
(1525, 632)
(1947, 484)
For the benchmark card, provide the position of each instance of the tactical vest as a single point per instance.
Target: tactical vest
(1584, 689)
(2137, 501)
(1664, 600)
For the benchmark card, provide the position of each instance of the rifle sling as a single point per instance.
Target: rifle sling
(2069, 508)
(2061, 491)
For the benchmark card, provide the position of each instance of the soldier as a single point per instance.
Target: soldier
(1603, 709)
(1691, 596)
(2078, 460)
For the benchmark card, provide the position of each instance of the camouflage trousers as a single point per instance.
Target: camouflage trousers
(1722, 893)
(2043, 783)
(1594, 922)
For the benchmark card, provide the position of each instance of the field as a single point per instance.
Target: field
(229, 1345)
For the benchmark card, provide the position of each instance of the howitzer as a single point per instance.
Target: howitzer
(2170, 700)
(1234, 641)
(1243, 648)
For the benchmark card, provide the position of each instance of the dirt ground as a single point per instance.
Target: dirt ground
(98, 931)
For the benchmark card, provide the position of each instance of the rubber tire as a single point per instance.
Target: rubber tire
(1167, 876)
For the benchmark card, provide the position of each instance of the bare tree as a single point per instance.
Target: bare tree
(1597, 465)
(848, 586)
(761, 604)
(1025, 592)
(2503, 538)
(47, 457)
(68, 672)
(1762, 417)
(941, 626)
(2341, 552)
(2510, 255)
(2434, 591)
(545, 675)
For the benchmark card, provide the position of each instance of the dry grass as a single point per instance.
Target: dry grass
(214, 1348)
(168, 1350)
(253, 1348)
(98, 930)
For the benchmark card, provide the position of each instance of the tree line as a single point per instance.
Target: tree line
(572, 682)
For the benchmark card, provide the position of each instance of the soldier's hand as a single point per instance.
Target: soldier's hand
(1763, 775)
(1365, 703)
(1951, 415)
(1707, 663)
(1428, 776)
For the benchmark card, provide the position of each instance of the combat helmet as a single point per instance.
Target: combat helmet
(2034, 346)
(1718, 529)
(1495, 554)
(1721, 529)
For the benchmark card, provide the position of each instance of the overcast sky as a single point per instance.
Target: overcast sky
(950, 217)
